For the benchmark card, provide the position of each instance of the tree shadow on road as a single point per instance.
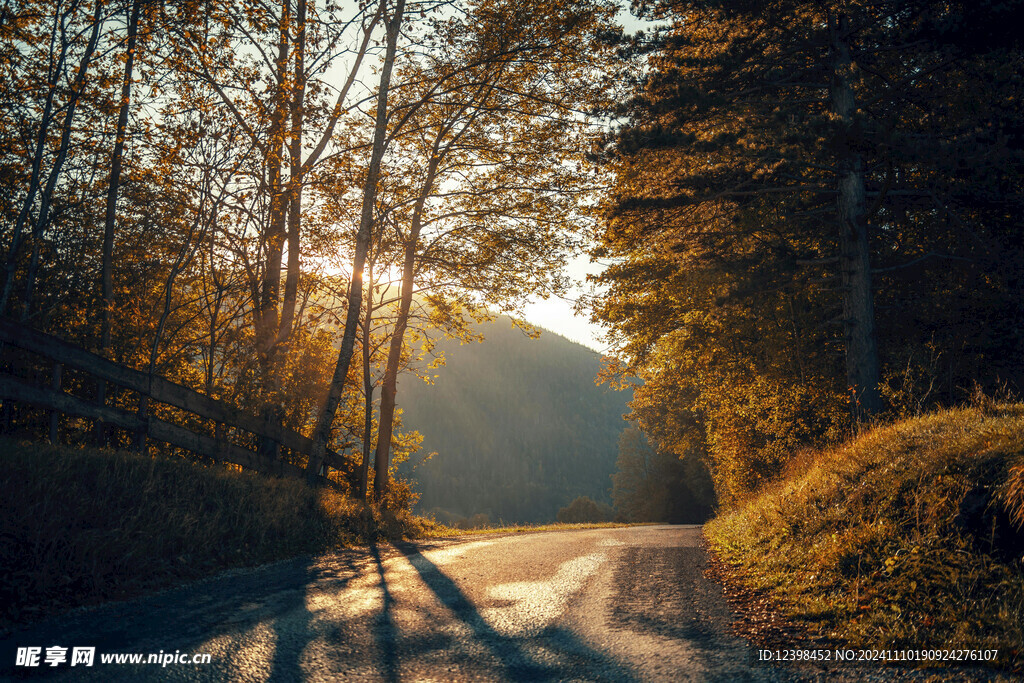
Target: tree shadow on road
(574, 658)
(188, 617)
(292, 634)
(385, 632)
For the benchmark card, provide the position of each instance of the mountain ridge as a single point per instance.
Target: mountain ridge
(519, 425)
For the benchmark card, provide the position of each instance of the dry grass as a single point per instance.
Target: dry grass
(84, 526)
(903, 538)
(526, 528)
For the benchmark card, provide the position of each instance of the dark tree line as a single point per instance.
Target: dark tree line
(658, 486)
(814, 221)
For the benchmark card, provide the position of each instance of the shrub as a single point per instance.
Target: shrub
(584, 510)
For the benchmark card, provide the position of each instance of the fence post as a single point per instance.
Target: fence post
(55, 415)
(270, 448)
(218, 435)
(5, 413)
(141, 431)
(99, 426)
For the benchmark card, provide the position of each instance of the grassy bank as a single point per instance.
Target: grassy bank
(80, 526)
(907, 537)
(528, 528)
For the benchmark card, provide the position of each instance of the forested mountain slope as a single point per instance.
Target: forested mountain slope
(518, 424)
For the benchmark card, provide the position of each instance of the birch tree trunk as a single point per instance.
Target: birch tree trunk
(37, 160)
(297, 105)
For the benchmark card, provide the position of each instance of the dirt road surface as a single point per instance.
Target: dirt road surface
(624, 604)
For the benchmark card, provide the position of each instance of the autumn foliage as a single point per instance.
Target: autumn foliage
(285, 205)
(812, 225)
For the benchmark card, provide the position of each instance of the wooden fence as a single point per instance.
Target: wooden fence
(155, 388)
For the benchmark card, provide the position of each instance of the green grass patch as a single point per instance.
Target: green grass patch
(81, 526)
(906, 537)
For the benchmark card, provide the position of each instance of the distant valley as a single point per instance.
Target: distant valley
(519, 426)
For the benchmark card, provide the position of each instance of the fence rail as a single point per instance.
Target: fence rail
(155, 388)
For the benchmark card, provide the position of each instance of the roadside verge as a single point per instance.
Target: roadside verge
(904, 540)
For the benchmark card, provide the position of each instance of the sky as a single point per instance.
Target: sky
(556, 314)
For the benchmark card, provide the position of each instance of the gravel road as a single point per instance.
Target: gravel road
(625, 604)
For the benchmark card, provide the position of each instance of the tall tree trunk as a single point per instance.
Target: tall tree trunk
(363, 239)
(35, 176)
(107, 277)
(274, 236)
(268, 320)
(389, 388)
(364, 466)
(297, 106)
(77, 87)
(862, 372)
(220, 291)
(107, 283)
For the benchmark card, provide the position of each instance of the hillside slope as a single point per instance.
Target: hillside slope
(518, 424)
(911, 536)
